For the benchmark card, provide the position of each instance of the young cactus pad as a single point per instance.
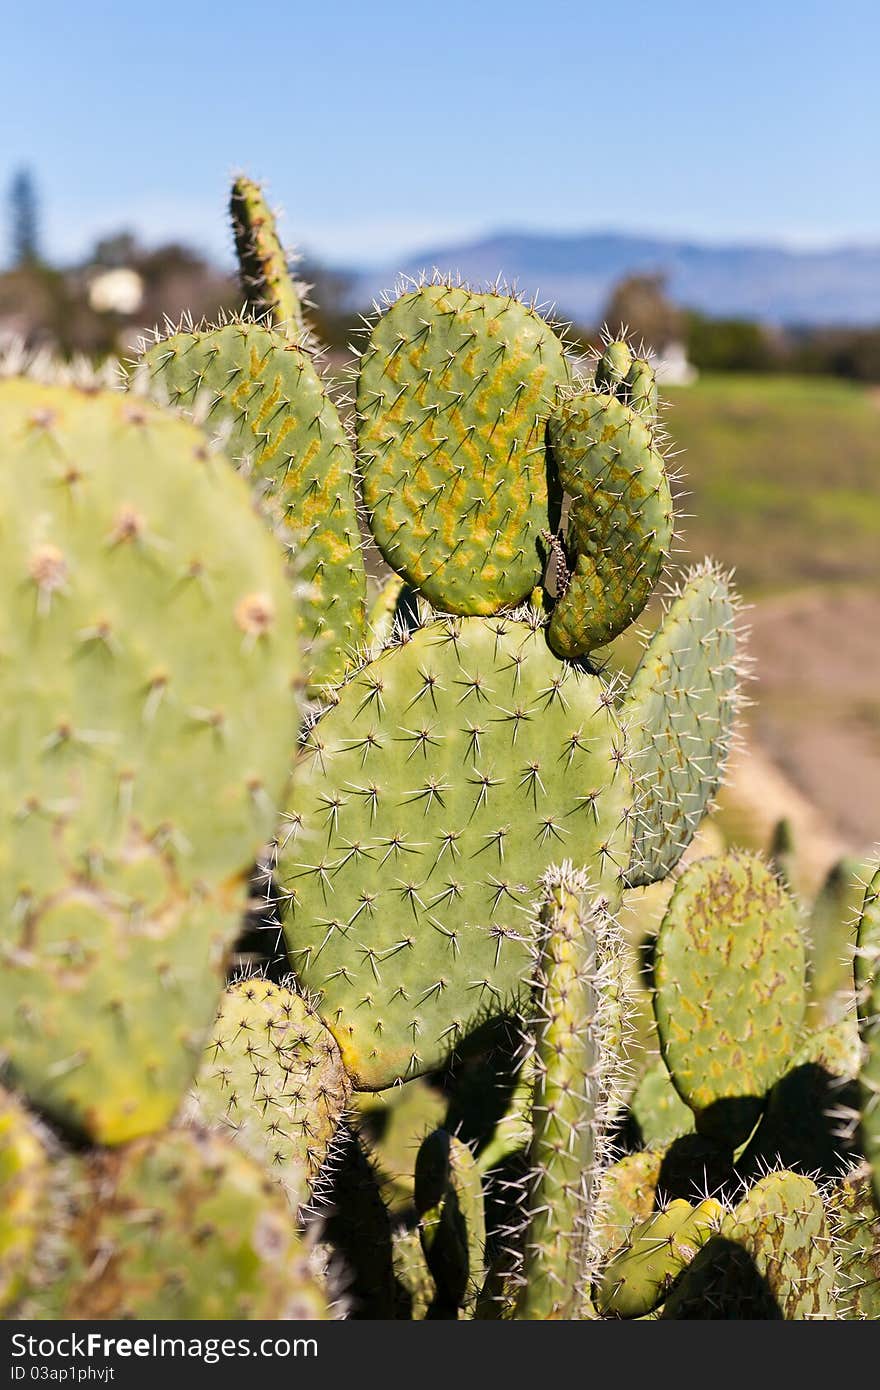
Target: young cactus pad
(180, 1225)
(277, 422)
(451, 773)
(266, 281)
(147, 712)
(730, 990)
(680, 709)
(273, 1078)
(620, 519)
(453, 396)
(777, 1243)
(653, 1256)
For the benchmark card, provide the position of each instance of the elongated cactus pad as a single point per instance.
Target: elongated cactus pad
(272, 1077)
(183, 1226)
(730, 990)
(266, 281)
(146, 708)
(451, 773)
(620, 518)
(277, 422)
(777, 1243)
(680, 709)
(572, 1059)
(452, 1224)
(868, 983)
(855, 1227)
(453, 396)
(25, 1177)
(655, 1253)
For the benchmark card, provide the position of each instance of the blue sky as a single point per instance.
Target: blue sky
(389, 125)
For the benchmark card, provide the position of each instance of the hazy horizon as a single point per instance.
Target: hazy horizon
(380, 134)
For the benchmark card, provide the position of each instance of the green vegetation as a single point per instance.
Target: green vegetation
(782, 476)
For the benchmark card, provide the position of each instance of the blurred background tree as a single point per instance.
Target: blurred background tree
(639, 304)
(24, 236)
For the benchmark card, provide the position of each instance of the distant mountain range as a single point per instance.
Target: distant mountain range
(578, 271)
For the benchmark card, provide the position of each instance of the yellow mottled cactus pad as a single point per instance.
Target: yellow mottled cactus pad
(264, 397)
(620, 519)
(453, 396)
(730, 990)
(266, 281)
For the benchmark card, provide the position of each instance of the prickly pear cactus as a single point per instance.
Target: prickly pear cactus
(680, 709)
(147, 713)
(627, 1194)
(453, 396)
(264, 397)
(266, 281)
(772, 1258)
(182, 1225)
(25, 1178)
(620, 518)
(450, 774)
(416, 1290)
(572, 1062)
(653, 1256)
(659, 1110)
(855, 1226)
(868, 987)
(452, 1225)
(730, 990)
(272, 1078)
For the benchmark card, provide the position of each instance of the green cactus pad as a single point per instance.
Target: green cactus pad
(266, 400)
(802, 1127)
(181, 1226)
(25, 1178)
(868, 983)
(273, 1078)
(855, 1227)
(392, 1124)
(772, 1259)
(453, 396)
(451, 773)
(730, 990)
(655, 1253)
(659, 1110)
(266, 281)
(680, 708)
(573, 1062)
(416, 1289)
(620, 519)
(626, 1196)
(452, 1225)
(831, 934)
(147, 708)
